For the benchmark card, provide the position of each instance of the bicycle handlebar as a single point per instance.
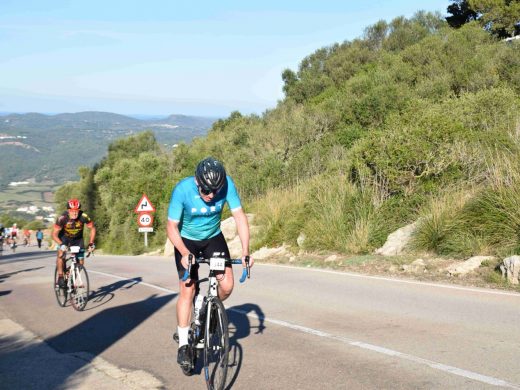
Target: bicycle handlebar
(246, 272)
(89, 252)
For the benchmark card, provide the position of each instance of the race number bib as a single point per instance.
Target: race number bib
(217, 264)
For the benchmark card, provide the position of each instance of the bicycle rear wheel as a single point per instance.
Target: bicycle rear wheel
(61, 293)
(80, 288)
(216, 345)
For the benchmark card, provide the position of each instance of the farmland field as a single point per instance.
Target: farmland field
(33, 194)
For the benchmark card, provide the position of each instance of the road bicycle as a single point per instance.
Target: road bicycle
(76, 280)
(209, 334)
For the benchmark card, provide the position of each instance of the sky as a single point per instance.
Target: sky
(162, 57)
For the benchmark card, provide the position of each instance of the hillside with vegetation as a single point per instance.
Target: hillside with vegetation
(414, 121)
(50, 148)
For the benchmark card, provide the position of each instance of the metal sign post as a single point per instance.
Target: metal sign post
(145, 230)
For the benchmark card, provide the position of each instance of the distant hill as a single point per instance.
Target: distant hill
(52, 147)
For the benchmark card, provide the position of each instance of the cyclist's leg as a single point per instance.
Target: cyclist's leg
(225, 279)
(60, 262)
(186, 291)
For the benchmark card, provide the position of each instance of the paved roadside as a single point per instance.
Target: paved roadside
(27, 362)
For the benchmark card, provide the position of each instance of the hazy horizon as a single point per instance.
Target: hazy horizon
(206, 59)
(136, 116)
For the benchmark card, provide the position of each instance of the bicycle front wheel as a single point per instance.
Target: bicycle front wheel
(216, 345)
(61, 293)
(80, 288)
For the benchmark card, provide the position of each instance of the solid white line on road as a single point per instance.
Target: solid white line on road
(395, 280)
(385, 351)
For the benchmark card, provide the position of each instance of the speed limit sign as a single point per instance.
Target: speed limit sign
(144, 219)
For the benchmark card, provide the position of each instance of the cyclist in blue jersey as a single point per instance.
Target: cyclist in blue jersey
(194, 216)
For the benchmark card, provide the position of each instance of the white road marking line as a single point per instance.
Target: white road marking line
(395, 280)
(385, 351)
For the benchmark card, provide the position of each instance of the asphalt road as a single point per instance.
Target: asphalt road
(290, 328)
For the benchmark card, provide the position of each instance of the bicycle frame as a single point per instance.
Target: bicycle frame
(76, 279)
(203, 330)
(71, 280)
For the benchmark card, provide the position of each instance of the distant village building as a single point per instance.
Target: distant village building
(18, 183)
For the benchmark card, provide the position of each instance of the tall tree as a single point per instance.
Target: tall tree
(501, 17)
(461, 13)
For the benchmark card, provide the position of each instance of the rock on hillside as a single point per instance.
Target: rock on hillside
(397, 241)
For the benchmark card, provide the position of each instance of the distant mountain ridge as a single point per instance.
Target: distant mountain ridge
(69, 140)
(104, 118)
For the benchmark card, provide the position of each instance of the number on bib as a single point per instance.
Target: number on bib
(217, 264)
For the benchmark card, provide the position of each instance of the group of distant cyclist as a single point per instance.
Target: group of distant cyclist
(12, 236)
(194, 217)
(8, 237)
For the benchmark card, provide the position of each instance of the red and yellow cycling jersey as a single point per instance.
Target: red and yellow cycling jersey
(73, 228)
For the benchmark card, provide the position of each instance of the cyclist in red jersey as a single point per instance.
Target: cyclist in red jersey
(68, 231)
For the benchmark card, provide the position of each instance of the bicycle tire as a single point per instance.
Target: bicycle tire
(80, 289)
(61, 293)
(216, 345)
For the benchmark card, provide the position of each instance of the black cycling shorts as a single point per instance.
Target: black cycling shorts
(203, 248)
(74, 242)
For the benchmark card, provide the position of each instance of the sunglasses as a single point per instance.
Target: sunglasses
(206, 191)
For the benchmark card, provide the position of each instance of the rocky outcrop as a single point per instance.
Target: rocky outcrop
(510, 268)
(416, 267)
(229, 230)
(264, 252)
(467, 266)
(397, 241)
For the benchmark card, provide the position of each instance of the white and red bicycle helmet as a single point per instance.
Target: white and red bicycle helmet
(73, 204)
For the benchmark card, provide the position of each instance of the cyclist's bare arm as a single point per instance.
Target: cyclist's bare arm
(92, 233)
(172, 229)
(243, 232)
(55, 231)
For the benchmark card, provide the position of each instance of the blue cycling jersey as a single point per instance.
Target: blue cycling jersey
(197, 219)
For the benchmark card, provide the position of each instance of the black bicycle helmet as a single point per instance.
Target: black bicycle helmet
(210, 174)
